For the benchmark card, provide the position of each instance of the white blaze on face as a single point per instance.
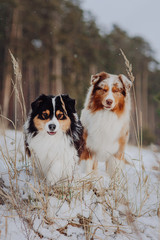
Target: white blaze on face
(53, 120)
(108, 84)
(110, 96)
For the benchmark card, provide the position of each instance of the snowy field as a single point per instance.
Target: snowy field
(90, 207)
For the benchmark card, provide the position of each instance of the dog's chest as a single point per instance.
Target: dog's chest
(104, 129)
(53, 151)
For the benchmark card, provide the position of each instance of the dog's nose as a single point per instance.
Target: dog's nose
(52, 127)
(109, 101)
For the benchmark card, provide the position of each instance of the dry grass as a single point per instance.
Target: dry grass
(38, 194)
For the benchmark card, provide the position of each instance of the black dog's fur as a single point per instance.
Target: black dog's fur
(63, 103)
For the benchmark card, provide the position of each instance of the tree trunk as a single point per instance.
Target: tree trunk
(31, 81)
(138, 90)
(44, 81)
(58, 71)
(152, 120)
(15, 34)
(136, 104)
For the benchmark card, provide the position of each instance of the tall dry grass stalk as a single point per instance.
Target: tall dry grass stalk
(17, 85)
(132, 79)
(143, 176)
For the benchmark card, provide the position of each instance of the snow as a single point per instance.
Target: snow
(89, 207)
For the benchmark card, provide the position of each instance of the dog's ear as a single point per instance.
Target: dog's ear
(69, 102)
(94, 78)
(99, 77)
(125, 81)
(38, 101)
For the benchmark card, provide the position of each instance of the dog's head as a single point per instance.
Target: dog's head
(52, 114)
(109, 92)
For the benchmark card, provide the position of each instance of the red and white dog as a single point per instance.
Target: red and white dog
(105, 119)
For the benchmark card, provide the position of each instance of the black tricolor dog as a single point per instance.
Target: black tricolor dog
(53, 134)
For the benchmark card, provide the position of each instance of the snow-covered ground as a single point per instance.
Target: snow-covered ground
(90, 207)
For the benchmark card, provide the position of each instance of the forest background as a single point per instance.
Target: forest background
(59, 45)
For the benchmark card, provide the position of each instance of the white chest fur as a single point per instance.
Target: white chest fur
(103, 130)
(56, 155)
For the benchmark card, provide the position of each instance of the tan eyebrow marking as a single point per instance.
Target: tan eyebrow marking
(115, 89)
(106, 88)
(45, 112)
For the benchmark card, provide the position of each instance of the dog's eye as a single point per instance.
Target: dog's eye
(105, 90)
(45, 115)
(98, 88)
(115, 90)
(102, 89)
(60, 116)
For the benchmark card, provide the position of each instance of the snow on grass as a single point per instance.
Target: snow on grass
(89, 207)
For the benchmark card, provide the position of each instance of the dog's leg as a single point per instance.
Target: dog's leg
(95, 164)
(86, 165)
(114, 168)
(89, 166)
(86, 162)
(116, 163)
(122, 144)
